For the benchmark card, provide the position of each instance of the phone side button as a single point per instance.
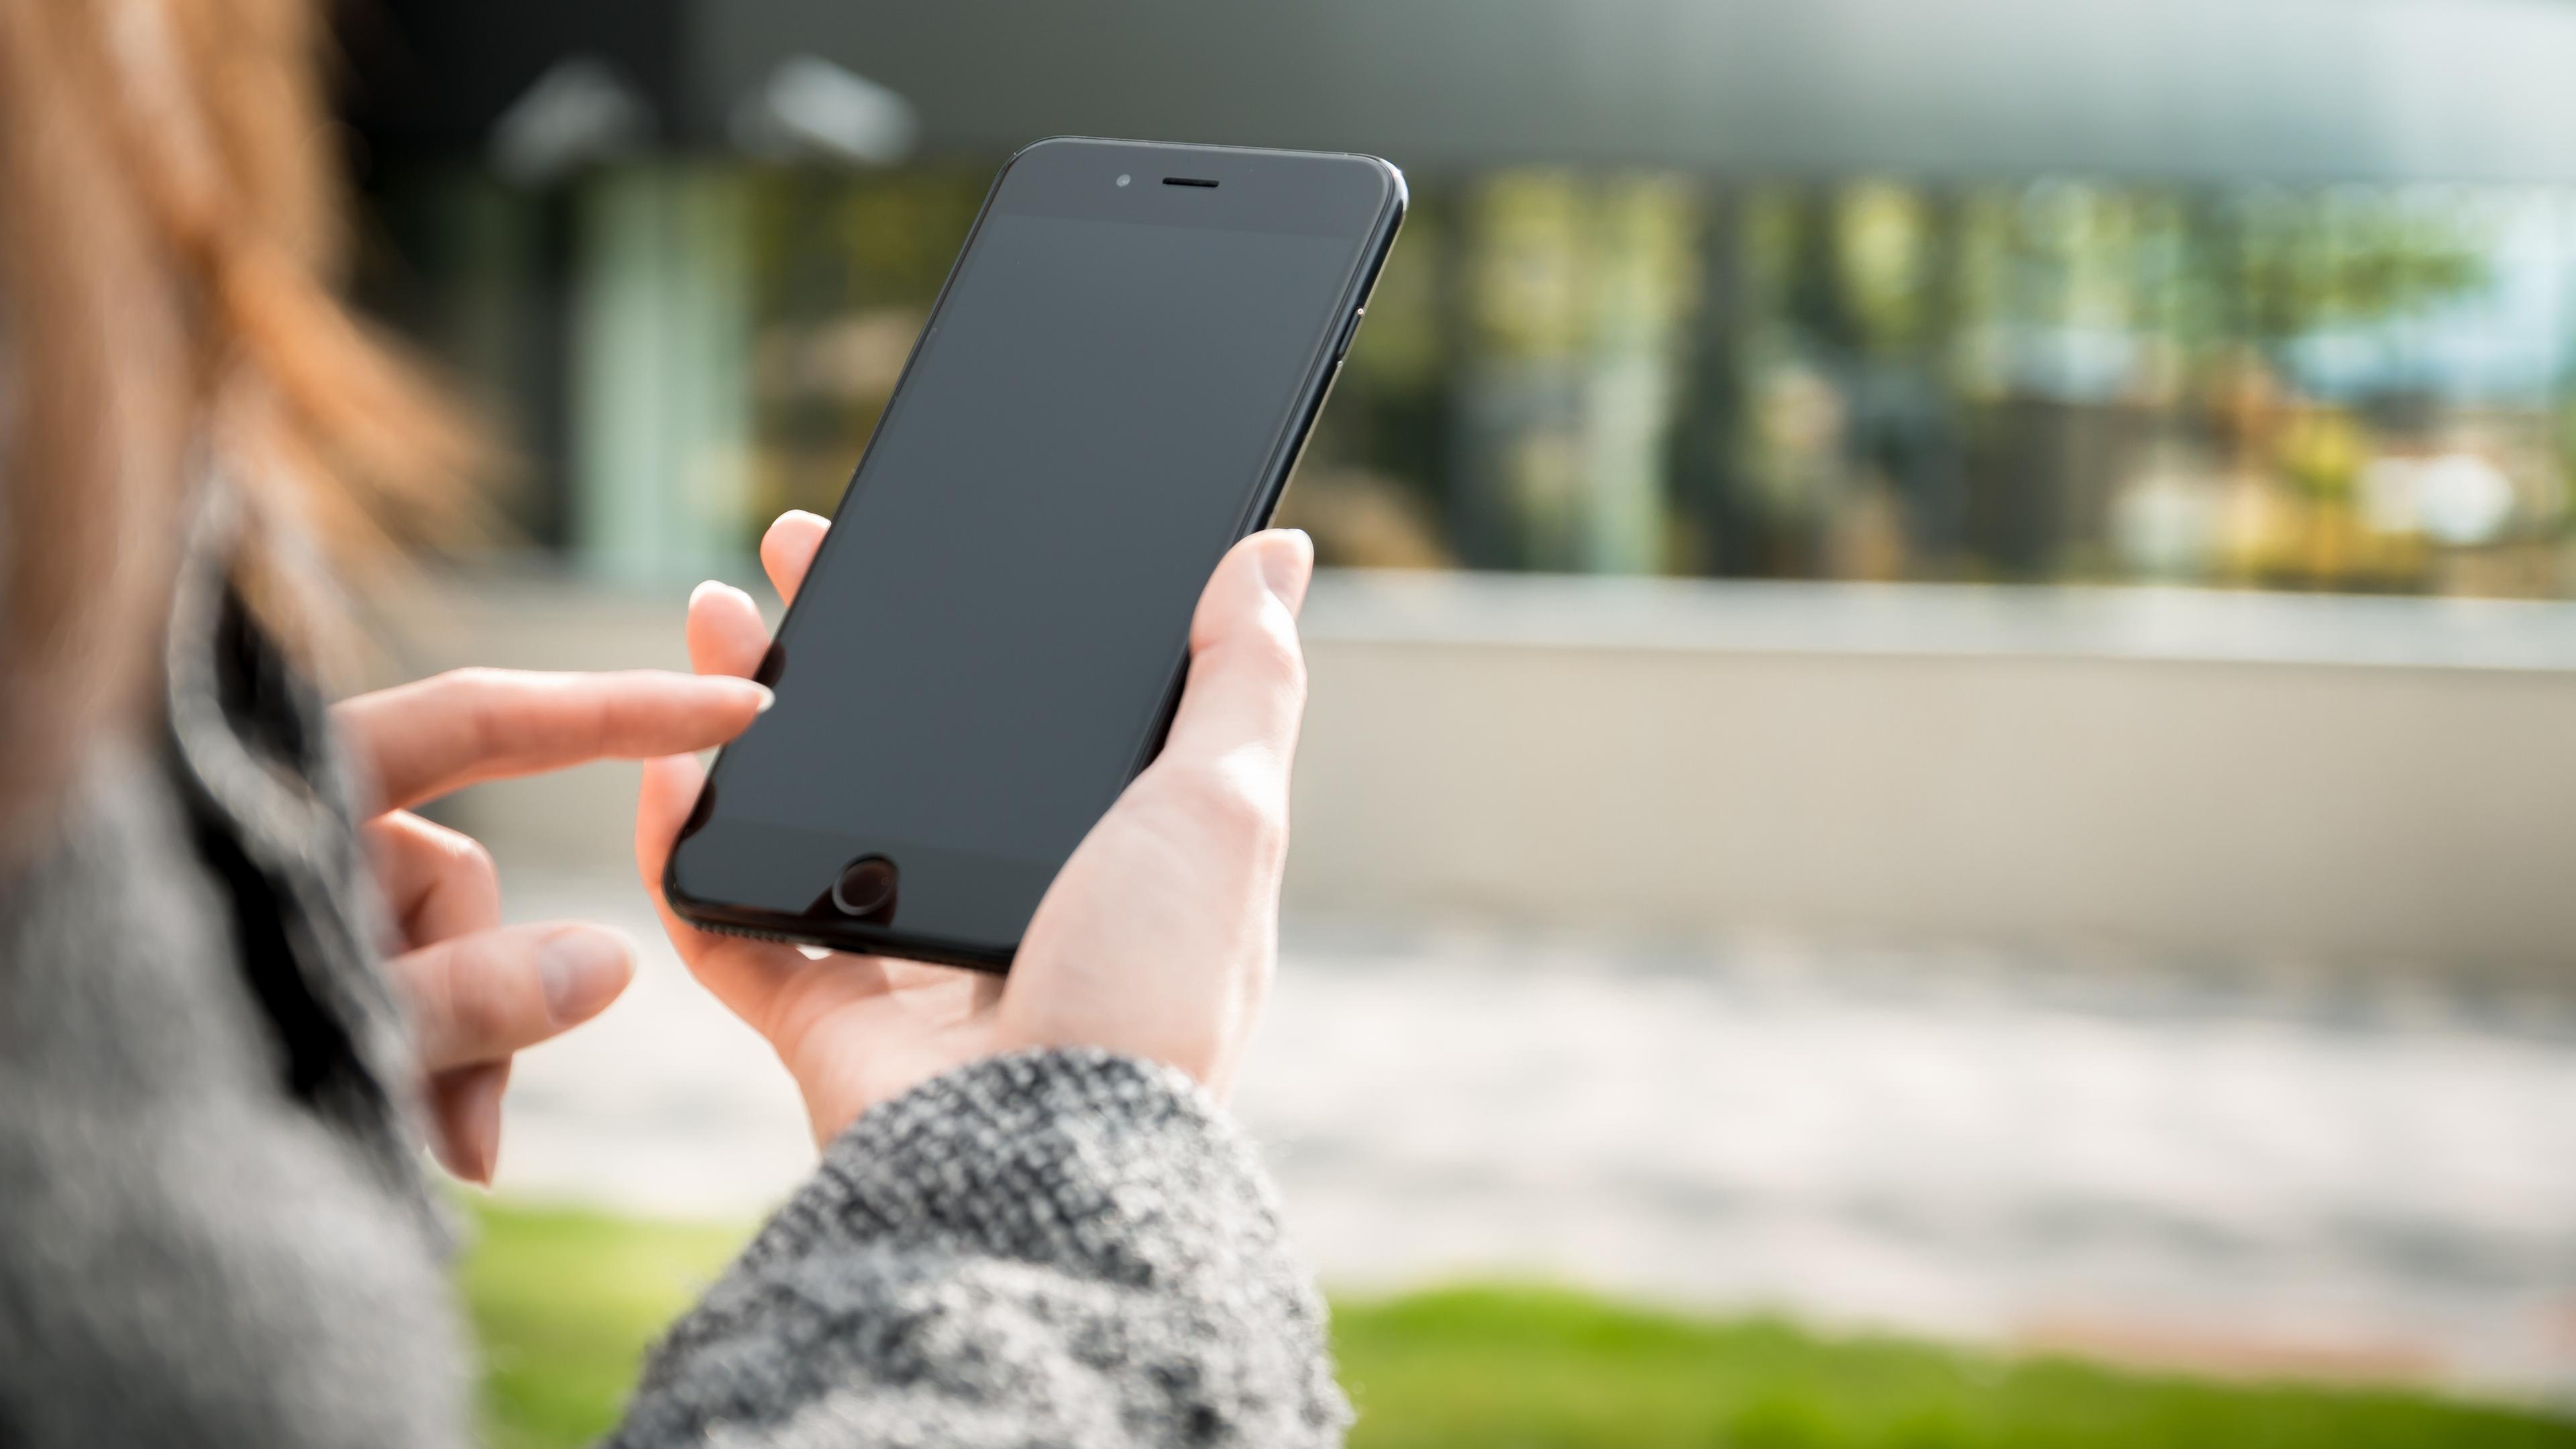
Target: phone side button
(1350, 329)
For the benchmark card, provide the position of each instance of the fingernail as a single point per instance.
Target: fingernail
(768, 697)
(583, 970)
(700, 591)
(482, 1123)
(1287, 563)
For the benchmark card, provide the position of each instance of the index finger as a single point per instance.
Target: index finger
(466, 726)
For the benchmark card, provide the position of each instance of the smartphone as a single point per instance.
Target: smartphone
(1111, 390)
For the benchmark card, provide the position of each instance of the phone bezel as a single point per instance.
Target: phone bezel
(1149, 161)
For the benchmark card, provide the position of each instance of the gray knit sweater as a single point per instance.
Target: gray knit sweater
(215, 1229)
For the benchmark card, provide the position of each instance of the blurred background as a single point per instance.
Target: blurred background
(1945, 704)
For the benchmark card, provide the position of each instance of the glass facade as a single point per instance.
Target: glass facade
(2351, 388)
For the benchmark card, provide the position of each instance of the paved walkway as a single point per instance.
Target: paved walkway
(2214, 1167)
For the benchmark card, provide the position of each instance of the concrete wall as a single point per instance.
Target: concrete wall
(2342, 779)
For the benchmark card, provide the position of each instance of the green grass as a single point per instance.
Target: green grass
(566, 1302)
(1520, 1369)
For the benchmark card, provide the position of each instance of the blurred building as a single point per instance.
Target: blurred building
(2275, 294)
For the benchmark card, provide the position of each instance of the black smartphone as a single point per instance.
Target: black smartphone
(1111, 390)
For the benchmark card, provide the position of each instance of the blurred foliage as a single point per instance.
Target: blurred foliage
(565, 1303)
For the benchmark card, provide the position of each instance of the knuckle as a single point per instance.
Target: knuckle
(470, 860)
(1236, 796)
(460, 850)
(1274, 650)
(482, 1002)
(450, 860)
(475, 693)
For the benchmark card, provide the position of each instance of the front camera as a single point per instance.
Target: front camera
(1123, 180)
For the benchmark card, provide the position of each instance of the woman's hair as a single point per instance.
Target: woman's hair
(170, 242)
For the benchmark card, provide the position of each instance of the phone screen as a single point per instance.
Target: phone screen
(982, 651)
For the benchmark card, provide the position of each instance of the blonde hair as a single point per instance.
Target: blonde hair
(170, 245)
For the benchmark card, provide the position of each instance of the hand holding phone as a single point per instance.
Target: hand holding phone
(1159, 936)
(1112, 389)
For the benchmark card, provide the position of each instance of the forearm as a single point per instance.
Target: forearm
(1062, 1247)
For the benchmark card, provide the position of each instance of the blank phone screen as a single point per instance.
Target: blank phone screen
(984, 646)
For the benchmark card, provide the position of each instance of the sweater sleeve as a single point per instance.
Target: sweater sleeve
(1060, 1247)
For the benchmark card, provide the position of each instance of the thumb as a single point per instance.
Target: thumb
(480, 997)
(1247, 676)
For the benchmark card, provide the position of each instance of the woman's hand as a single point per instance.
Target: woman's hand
(477, 991)
(1157, 939)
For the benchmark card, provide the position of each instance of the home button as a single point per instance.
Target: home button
(866, 887)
